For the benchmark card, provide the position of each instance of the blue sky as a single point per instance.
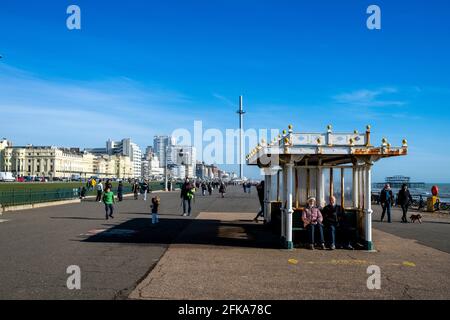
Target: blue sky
(140, 68)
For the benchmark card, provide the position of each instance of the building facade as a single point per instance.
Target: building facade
(126, 147)
(54, 162)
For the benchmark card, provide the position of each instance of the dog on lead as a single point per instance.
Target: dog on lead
(416, 217)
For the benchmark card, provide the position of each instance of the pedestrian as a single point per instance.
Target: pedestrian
(187, 194)
(136, 190)
(249, 187)
(108, 200)
(404, 199)
(203, 188)
(222, 189)
(312, 219)
(108, 184)
(155, 205)
(386, 200)
(83, 192)
(144, 189)
(421, 203)
(120, 191)
(244, 185)
(334, 218)
(99, 191)
(210, 188)
(260, 191)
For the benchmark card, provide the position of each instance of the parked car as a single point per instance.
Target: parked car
(6, 177)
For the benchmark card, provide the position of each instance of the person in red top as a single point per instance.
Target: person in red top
(312, 219)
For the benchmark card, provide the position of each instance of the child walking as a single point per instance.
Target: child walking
(155, 204)
(108, 200)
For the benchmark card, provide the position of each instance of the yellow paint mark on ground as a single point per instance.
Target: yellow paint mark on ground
(409, 264)
(348, 262)
(293, 261)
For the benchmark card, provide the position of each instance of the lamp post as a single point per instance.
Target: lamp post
(165, 170)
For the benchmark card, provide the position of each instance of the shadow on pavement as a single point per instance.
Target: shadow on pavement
(200, 232)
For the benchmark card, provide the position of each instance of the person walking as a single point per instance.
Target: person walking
(204, 188)
(108, 200)
(120, 191)
(144, 189)
(244, 185)
(386, 200)
(404, 199)
(222, 189)
(108, 184)
(249, 187)
(187, 194)
(155, 205)
(136, 190)
(312, 219)
(99, 191)
(260, 191)
(210, 188)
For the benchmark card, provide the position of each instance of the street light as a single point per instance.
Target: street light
(165, 171)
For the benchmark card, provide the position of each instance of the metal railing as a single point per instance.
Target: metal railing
(22, 197)
(17, 197)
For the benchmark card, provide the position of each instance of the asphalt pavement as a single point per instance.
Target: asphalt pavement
(114, 256)
(38, 245)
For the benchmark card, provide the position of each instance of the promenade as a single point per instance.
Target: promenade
(218, 253)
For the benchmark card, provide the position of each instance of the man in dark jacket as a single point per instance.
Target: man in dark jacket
(386, 200)
(187, 194)
(404, 199)
(333, 218)
(260, 191)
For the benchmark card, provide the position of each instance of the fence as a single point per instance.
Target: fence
(20, 197)
(30, 196)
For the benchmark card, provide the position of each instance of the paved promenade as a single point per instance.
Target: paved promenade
(217, 253)
(221, 256)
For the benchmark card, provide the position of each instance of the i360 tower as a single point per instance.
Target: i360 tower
(241, 138)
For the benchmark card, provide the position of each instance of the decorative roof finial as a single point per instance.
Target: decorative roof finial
(405, 142)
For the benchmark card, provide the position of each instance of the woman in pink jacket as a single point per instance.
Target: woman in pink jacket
(312, 219)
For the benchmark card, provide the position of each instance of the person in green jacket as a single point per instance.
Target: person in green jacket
(108, 200)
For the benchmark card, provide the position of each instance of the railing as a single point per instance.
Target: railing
(22, 197)
(30, 196)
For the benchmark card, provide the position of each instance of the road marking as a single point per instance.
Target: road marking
(348, 262)
(409, 264)
(293, 261)
(3, 220)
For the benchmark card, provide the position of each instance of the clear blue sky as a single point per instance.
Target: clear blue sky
(140, 68)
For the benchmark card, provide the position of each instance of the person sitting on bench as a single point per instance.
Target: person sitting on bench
(312, 219)
(333, 218)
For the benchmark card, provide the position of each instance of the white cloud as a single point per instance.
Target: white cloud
(62, 112)
(369, 98)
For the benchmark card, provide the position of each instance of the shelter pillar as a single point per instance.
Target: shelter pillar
(289, 209)
(368, 207)
(355, 190)
(320, 187)
(283, 204)
(267, 194)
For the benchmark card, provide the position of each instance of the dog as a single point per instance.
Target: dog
(416, 217)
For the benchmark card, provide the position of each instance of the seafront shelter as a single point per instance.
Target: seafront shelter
(297, 166)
